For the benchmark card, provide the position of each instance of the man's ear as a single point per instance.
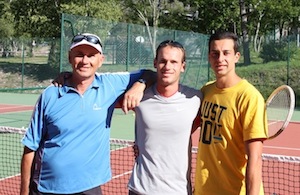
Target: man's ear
(237, 57)
(154, 63)
(69, 57)
(102, 58)
(183, 66)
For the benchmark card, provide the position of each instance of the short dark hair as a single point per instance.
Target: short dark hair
(224, 35)
(172, 44)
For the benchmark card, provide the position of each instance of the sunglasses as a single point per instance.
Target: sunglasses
(88, 38)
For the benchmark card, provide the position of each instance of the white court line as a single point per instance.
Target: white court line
(114, 177)
(2, 179)
(16, 106)
(282, 148)
(121, 175)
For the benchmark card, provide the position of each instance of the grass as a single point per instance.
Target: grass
(31, 60)
(265, 76)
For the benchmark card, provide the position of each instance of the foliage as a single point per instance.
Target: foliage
(158, 13)
(41, 18)
(6, 20)
(175, 14)
(282, 13)
(268, 76)
(107, 10)
(172, 14)
(277, 51)
(32, 19)
(217, 15)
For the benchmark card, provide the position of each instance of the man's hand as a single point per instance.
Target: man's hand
(60, 79)
(133, 96)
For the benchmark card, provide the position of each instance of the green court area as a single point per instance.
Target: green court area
(15, 119)
(18, 98)
(122, 126)
(11, 151)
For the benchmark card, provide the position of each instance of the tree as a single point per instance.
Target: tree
(179, 15)
(217, 15)
(7, 45)
(6, 20)
(153, 12)
(282, 14)
(106, 10)
(244, 29)
(265, 17)
(34, 18)
(41, 18)
(159, 13)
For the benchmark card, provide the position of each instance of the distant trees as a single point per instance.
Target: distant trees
(247, 18)
(41, 18)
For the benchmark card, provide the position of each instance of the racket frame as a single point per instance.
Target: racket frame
(291, 108)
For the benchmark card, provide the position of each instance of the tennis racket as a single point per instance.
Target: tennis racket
(280, 107)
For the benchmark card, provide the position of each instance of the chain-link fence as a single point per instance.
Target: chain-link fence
(27, 64)
(129, 47)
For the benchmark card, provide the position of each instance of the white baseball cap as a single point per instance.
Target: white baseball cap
(87, 39)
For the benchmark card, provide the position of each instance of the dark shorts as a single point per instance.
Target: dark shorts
(132, 193)
(93, 191)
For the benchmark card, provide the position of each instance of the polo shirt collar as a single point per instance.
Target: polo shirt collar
(66, 89)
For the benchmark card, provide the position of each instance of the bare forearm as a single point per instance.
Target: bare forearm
(254, 166)
(196, 123)
(135, 94)
(253, 176)
(26, 165)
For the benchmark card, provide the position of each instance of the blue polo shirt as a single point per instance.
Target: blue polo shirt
(70, 134)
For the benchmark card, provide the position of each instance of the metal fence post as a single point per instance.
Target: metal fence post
(288, 63)
(61, 42)
(128, 46)
(23, 66)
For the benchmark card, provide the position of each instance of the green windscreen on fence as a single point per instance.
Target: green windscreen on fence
(129, 47)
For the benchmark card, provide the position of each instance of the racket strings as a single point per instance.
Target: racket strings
(278, 110)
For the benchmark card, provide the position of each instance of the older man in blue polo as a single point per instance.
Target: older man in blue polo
(66, 147)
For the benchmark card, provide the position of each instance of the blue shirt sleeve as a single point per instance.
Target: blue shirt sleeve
(119, 81)
(35, 132)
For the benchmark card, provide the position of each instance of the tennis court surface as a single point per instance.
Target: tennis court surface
(281, 162)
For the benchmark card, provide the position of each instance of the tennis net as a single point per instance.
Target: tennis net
(281, 174)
